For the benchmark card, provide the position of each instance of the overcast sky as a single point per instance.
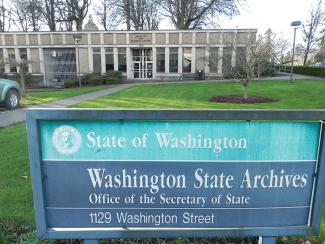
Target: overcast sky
(274, 14)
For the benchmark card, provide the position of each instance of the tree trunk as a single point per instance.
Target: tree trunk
(245, 92)
(128, 15)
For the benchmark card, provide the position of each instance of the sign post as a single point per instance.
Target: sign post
(163, 173)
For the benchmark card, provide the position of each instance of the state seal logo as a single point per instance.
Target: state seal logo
(66, 139)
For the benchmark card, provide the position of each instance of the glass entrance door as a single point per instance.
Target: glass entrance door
(142, 64)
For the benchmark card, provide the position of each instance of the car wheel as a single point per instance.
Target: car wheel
(12, 99)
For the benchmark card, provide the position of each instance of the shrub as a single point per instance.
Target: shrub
(3, 75)
(70, 83)
(308, 70)
(85, 78)
(97, 80)
(113, 77)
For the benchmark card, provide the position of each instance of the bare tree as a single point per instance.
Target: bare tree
(77, 11)
(320, 55)
(107, 14)
(5, 16)
(50, 12)
(22, 65)
(277, 46)
(65, 16)
(35, 12)
(192, 14)
(144, 14)
(20, 14)
(255, 59)
(27, 14)
(137, 14)
(311, 27)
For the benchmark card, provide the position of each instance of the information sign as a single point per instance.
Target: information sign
(134, 173)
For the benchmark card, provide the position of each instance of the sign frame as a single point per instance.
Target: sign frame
(35, 115)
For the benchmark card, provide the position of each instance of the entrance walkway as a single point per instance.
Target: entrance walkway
(11, 117)
(14, 116)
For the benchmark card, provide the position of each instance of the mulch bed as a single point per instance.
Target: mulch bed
(241, 99)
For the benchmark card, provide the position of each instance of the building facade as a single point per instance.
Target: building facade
(159, 55)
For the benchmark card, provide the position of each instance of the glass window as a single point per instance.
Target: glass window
(23, 53)
(122, 59)
(160, 59)
(12, 59)
(213, 59)
(173, 59)
(241, 57)
(23, 56)
(226, 59)
(109, 59)
(97, 65)
(60, 65)
(187, 59)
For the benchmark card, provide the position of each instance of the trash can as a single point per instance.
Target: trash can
(199, 74)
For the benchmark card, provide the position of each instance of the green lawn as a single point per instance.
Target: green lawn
(299, 95)
(16, 211)
(33, 98)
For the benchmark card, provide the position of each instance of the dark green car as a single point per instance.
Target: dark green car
(10, 93)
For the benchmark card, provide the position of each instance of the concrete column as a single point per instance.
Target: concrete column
(41, 59)
(180, 38)
(154, 62)
(29, 57)
(234, 54)
(64, 39)
(180, 60)
(42, 65)
(206, 58)
(39, 39)
(167, 60)
(51, 39)
(167, 38)
(101, 36)
(220, 59)
(114, 38)
(193, 60)
(27, 39)
(248, 46)
(90, 60)
(115, 55)
(17, 57)
(15, 39)
(129, 63)
(102, 60)
(127, 38)
(6, 56)
(153, 38)
(233, 57)
(89, 39)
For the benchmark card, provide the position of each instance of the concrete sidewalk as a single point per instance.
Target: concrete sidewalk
(14, 116)
(11, 117)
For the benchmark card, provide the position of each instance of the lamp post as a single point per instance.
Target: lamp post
(77, 37)
(295, 25)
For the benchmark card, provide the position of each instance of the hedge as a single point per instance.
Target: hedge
(308, 70)
(93, 79)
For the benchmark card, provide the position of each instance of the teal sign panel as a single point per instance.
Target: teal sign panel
(98, 174)
(178, 140)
